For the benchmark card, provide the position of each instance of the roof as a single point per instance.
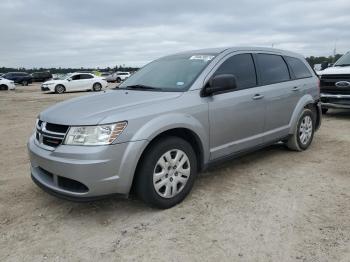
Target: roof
(240, 48)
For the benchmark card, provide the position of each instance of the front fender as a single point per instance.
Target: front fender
(305, 100)
(163, 123)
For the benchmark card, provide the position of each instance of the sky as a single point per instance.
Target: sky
(83, 33)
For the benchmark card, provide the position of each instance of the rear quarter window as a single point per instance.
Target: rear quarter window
(298, 67)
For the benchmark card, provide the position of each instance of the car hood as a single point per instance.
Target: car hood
(93, 109)
(335, 70)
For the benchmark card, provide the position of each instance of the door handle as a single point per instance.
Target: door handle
(257, 97)
(296, 88)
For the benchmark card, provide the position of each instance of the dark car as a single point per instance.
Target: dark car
(19, 77)
(41, 76)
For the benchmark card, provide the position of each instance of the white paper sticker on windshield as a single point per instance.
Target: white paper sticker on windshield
(180, 83)
(202, 57)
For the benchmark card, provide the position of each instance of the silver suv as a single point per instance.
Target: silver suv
(174, 117)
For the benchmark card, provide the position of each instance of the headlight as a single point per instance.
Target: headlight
(94, 135)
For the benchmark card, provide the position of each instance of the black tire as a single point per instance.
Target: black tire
(24, 82)
(4, 87)
(144, 184)
(60, 89)
(97, 87)
(118, 80)
(294, 142)
(324, 111)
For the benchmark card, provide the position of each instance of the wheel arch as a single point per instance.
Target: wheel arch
(304, 102)
(182, 132)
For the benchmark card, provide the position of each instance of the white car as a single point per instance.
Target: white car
(6, 84)
(75, 82)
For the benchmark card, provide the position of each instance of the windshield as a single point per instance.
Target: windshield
(172, 73)
(344, 60)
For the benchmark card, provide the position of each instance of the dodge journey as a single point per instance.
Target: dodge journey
(173, 118)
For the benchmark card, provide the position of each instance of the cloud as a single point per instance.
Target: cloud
(105, 33)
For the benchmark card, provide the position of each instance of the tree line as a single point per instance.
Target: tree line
(312, 60)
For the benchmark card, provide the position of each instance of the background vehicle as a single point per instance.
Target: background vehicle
(335, 84)
(75, 82)
(6, 84)
(122, 76)
(41, 76)
(172, 118)
(116, 76)
(19, 77)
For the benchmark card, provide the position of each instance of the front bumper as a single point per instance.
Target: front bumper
(45, 88)
(335, 101)
(85, 172)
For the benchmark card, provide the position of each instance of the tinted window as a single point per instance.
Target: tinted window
(76, 77)
(86, 76)
(298, 67)
(273, 69)
(242, 67)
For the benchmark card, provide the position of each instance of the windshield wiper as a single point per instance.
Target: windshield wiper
(142, 87)
(343, 65)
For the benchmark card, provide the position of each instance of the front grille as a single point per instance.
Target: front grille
(49, 134)
(327, 84)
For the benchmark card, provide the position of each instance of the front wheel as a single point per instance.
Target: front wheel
(118, 80)
(304, 132)
(59, 89)
(166, 173)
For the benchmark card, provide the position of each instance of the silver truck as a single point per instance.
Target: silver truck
(176, 116)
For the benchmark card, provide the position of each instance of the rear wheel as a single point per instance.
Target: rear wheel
(4, 87)
(97, 87)
(304, 132)
(166, 173)
(118, 80)
(59, 89)
(25, 83)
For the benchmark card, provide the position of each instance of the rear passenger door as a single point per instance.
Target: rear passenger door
(281, 94)
(237, 117)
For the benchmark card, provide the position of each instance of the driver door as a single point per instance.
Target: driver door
(237, 117)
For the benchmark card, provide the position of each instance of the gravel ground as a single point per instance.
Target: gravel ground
(272, 205)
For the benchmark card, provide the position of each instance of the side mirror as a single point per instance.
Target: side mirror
(220, 83)
(69, 79)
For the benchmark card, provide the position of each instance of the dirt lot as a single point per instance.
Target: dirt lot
(272, 205)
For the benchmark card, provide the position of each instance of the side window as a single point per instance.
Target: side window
(298, 67)
(272, 68)
(76, 77)
(242, 67)
(86, 76)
